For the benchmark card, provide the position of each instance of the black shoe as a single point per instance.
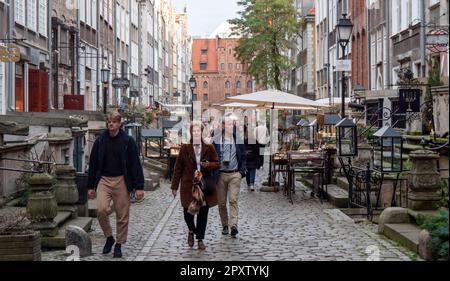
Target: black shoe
(225, 230)
(234, 231)
(117, 251)
(108, 245)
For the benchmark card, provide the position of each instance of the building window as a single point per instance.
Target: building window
(238, 66)
(249, 84)
(227, 85)
(230, 66)
(19, 14)
(238, 84)
(222, 66)
(374, 113)
(194, 97)
(205, 85)
(43, 17)
(202, 66)
(31, 15)
(205, 97)
(204, 52)
(398, 117)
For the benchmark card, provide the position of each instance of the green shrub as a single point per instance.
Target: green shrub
(437, 226)
(444, 201)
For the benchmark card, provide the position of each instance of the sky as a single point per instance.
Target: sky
(204, 16)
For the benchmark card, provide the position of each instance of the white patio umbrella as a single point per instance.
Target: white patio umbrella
(334, 100)
(270, 99)
(256, 106)
(239, 105)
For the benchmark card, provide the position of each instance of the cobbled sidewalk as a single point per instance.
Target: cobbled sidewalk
(144, 217)
(270, 229)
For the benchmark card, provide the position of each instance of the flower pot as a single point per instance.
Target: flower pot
(21, 246)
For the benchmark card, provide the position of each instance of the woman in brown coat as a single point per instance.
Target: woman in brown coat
(196, 156)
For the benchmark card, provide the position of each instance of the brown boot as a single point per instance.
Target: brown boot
(191, 239)
(201, 245)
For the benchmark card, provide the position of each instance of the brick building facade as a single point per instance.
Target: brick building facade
(218, 72)
(359, 44)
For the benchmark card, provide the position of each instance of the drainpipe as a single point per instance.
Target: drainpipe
(50, 52)
(387, 68)
(423, 37)
(328, 53)
(368, 47)
(11, 65)
(78, 48)
(99, 58)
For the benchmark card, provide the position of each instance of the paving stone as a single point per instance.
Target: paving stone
(270, 228)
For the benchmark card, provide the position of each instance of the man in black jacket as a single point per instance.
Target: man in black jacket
(115, 171)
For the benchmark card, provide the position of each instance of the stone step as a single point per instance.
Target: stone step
(155, 162)
(360, 214)
(416, 214)
(337, 196)
(342, 182)
(14, 202)
(59, 241)
(62, 217)
(405, 234)
(161, 169)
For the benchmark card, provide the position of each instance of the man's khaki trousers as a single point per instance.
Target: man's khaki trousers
(113, 189)
(229, 186)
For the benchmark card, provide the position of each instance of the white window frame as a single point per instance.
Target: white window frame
(32, 15)
(83, 10)
(20, 13)
(94, 13)
(43, 16)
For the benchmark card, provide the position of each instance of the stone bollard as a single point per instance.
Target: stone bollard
(424, 181)
(76, 236)
(42, 207)
(66, 190)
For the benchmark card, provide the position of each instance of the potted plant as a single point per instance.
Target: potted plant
(17, 241)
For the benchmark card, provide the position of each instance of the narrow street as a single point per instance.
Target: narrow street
(270, 229)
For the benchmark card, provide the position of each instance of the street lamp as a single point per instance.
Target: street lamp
(344, 31)
(347, 140)
(105, 80)
(387, 151)
(192, 85)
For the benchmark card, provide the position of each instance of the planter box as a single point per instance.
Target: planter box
(20, 247)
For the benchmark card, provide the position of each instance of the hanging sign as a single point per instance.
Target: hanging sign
(9, 53)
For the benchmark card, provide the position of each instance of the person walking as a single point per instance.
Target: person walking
(196, 158)
(253, 155)
(231, 152)
(114, 172)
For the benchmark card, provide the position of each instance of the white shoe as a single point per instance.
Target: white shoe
(252, 188)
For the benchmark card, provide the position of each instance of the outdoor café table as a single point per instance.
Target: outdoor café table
(306, 162)
(280, 167)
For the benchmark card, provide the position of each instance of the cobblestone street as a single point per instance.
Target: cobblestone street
(270, 228)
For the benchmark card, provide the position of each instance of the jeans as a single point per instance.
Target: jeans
(251, 175)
